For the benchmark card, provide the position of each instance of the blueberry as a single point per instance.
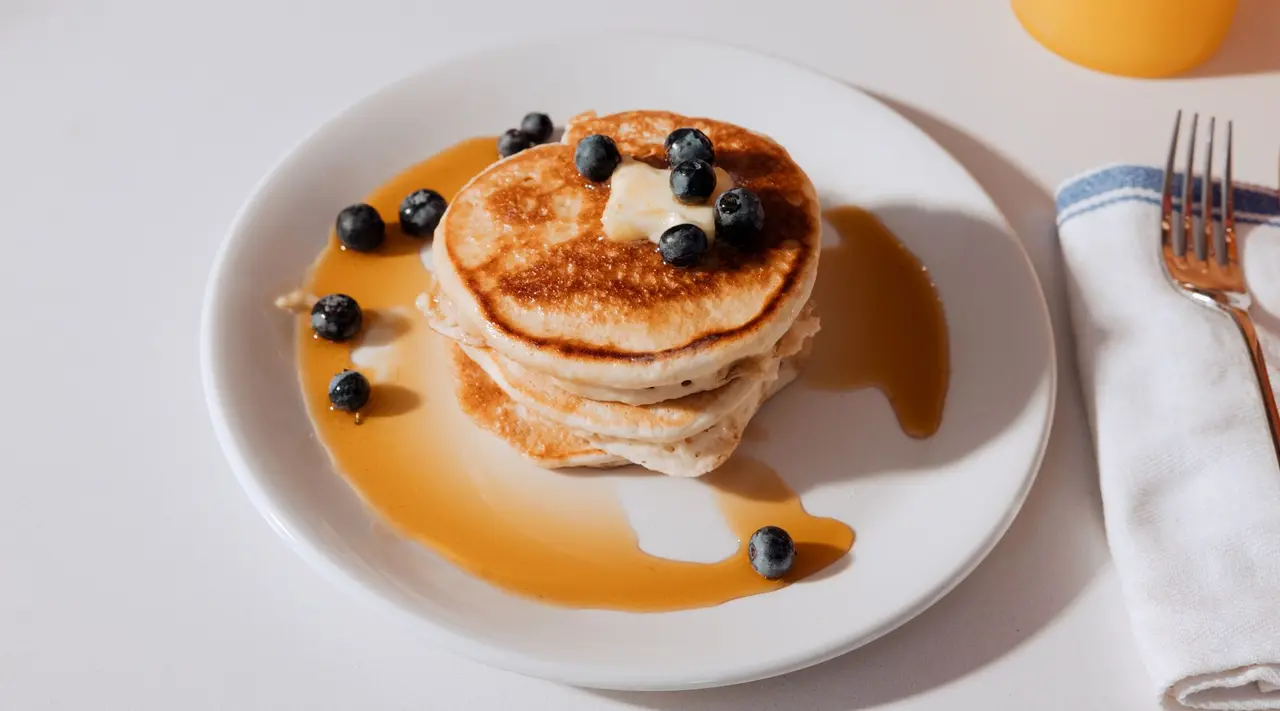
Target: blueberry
(682, 245)
(739, 218)
(512, 142)
(693, 181)
(687, 144)
(596, 157)
(349, 391)
(421, 211)
(771, 552)
(336, 317)
(537, 127)
(360, 227)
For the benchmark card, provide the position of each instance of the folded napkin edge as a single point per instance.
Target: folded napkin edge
(1119, 182)
(1084, 175)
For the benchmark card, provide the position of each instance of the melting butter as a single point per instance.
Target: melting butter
(641, 205)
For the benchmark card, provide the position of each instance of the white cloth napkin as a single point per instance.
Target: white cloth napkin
(1190, 482)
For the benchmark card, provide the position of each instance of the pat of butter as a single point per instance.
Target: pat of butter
(641, 205)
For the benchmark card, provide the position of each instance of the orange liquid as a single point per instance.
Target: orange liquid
(882, 322)
(561, 538)
(1138, 38)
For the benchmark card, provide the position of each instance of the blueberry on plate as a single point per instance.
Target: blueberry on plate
(537, 127)
(349, 391)
(360, 227)
(739, 218)
(771, 552)
(688, 144)
(336, 317)
(512, 142)
(693, 181)
(682, 245)
(596, 157)
(420, 212)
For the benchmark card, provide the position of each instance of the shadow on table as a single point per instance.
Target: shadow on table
(1053, 550)
(1251, 46)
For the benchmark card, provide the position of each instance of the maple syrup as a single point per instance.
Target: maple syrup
(574, 546)
(882, 322)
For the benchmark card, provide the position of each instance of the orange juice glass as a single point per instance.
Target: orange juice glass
(1137, 38)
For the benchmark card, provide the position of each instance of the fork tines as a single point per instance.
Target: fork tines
(1207, 241)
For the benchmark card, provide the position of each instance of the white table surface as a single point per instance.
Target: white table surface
(134, 574)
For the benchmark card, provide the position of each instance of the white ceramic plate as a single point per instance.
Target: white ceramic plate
(926, 512)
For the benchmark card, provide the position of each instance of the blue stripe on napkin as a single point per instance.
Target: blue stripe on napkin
(1135, 183)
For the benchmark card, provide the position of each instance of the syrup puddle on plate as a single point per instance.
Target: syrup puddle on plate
(564, 538)
(872, 290)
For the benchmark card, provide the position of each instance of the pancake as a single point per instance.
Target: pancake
(550, 444)
(442, 316)
(654, 393)
(520, 257)
(545, 443)
(707, 450)
(805, 326)
(663, 422)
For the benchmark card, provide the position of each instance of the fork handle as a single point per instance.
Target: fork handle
(1245, 324)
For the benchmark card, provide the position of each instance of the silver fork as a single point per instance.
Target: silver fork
(1210, 272)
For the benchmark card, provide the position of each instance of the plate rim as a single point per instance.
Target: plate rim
(499, 657)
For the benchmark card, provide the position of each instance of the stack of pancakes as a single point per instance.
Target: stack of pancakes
(584, 351)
